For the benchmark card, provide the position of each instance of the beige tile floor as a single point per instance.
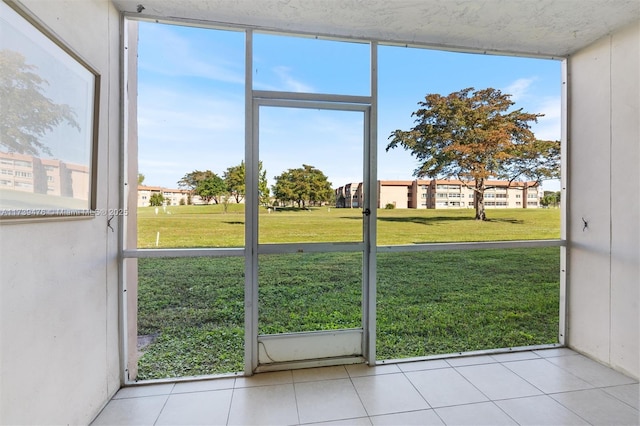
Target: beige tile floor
(544, 387)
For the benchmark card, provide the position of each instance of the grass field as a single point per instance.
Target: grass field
(208, 226)
(428, 302)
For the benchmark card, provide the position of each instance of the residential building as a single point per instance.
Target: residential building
(29, 174)
(446, 193)
(172, 197)
(349, 195)
(443, 194)
(396, 193)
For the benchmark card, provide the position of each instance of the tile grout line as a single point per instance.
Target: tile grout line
(295, 398)
(479, 390)
(164, 405)
(420, 393)
(233, 392)
(358, 394)
(548, 395)
(613, 396)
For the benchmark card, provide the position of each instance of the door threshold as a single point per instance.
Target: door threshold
(312, 363)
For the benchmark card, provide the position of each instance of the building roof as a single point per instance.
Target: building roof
(396, 182)
(161, 189)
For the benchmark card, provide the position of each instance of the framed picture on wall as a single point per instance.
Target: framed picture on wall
(48, 123)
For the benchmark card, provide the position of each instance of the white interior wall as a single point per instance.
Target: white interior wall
(59, 336)
(604, 188)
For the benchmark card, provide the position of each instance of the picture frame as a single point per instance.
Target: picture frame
(48, 125)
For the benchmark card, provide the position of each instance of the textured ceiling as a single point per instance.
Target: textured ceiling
(553, 28)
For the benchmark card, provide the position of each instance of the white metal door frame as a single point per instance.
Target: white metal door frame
(311, 348)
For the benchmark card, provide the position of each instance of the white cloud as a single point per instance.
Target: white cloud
(166, 52)
(289, 82)
(180, 131)
(519, 89)
(524, 93)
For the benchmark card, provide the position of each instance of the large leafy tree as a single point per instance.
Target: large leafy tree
(27, 114)
(210, 188)
(303, 186)
(474, 136)
(206, 184)
(234, 178)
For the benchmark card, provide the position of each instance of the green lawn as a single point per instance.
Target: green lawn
(208, 226)
(428, 302)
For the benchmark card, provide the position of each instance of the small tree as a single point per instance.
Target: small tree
(550, 199)
(473, 136)
(305, 185)
(156, 199)
(234, 178)
(206, 184)
(211, 188)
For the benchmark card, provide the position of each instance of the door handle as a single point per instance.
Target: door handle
(366, 212)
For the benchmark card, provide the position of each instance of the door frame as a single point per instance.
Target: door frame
(357, 344)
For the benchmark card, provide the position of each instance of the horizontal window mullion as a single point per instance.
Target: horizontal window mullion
(187, 252)
(471, 246)
(309, 248)
(265, 97)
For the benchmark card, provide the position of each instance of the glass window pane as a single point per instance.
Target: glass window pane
(190, 316)
(309, 292)
(442, 207)
(432, 303)
(306, 156)
(191, 137)
(311, 65)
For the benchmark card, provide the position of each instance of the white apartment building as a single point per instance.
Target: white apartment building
(23, 174)
(443, 194)
(172, 197)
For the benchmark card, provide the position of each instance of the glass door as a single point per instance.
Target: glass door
(312, 225)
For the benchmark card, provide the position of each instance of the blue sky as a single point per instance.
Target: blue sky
(191, 100)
